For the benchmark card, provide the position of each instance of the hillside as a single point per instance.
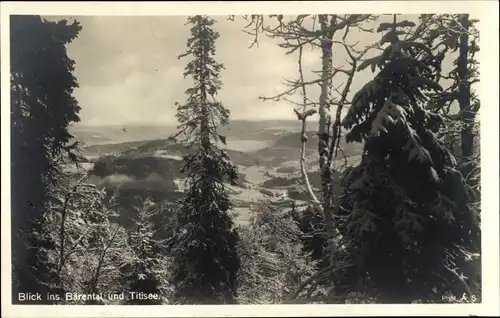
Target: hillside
(237, 130)
(268, 141)
(293, 140)
(152, 167)
(162, 147)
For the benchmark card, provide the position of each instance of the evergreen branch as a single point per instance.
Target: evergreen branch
(330, 270)
(64, 211)
(460, 279)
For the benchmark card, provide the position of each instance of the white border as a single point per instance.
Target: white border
(487, 11)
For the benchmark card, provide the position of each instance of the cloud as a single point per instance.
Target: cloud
(128, 69)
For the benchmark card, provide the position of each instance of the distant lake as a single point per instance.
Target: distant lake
(246, 145)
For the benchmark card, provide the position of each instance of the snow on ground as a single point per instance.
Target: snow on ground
(245, 194)
(246, 145)
(180, 183)
(86, 166)
(242, 215)
(164, 154)
(255, 174)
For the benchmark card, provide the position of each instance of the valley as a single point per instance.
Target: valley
(268, 164)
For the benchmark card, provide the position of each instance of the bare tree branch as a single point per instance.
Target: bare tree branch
(303, 118)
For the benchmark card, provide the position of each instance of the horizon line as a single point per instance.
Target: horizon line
(174, 123)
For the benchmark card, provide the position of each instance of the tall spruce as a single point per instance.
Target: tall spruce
(42, 108)
(206, 262)
(409, 231)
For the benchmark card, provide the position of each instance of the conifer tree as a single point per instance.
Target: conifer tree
(409, 229)
(42, 108)
(206, 262)
(273, 262)
(147, 275)
(88, 250)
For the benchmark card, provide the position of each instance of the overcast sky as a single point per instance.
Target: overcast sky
(128, 70)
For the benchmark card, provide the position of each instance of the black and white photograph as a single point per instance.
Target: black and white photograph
(250, 159)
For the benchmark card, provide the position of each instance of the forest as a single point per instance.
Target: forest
(400, 226)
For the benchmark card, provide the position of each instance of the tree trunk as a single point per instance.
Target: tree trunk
(205, 113)
(467, 115)
(324, 130)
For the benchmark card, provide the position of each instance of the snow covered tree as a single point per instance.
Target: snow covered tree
(68, 223)
(104, 263)
(206, 261)
(88, 250)
(147, 269)
(273, 262)
(408, 231)
(42, 108)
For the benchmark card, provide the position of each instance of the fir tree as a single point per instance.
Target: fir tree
(409, 230)
(206, 262)
(42, 107)
(147, 275)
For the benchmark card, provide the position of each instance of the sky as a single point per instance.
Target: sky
(128, 71)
